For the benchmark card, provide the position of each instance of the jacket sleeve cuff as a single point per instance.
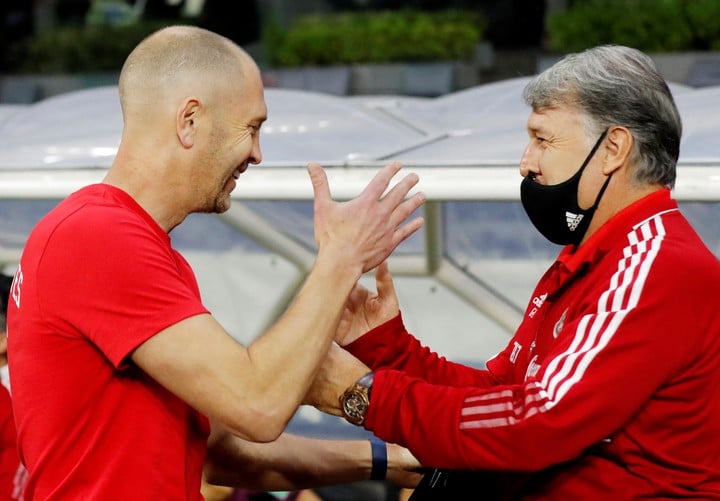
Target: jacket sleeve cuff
(369, 343)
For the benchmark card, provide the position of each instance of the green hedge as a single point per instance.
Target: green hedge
(648, 25)
(362, 37)
(329, 39)
(82, 49)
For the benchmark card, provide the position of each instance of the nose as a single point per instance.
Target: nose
(528, 162)
(255, 154)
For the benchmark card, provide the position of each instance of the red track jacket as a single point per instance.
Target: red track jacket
(610, 388)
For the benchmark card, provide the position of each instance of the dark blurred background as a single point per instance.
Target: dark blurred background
(512, 24)
(48, 47)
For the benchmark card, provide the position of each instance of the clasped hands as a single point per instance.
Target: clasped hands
(363, 311)
(385, 215)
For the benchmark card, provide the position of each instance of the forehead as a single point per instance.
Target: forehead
(555, 119)
(255, 108)
(247, 103)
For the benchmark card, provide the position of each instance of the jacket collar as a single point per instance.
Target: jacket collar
(572, 258)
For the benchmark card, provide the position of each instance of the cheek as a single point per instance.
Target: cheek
(557, 166)
(243, 145)
(243, 136)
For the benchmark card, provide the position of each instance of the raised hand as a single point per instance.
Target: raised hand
(369, 227)
(364, 310)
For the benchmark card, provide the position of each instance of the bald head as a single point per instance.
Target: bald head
(177, 61)
(192, 104)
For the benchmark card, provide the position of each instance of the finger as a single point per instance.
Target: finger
(357, 295)
(379, 183)
(406, 208)
(400, 234)
(383, 281)
(403, 232)
(318, 178)
(398, 192)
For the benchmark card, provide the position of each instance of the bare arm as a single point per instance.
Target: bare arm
(363, 311)
(265, 382)
(293, 462)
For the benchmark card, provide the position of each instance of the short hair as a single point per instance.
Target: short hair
(166, 58)
(617, 85)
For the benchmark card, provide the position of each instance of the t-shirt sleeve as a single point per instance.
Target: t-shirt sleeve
(115, 280)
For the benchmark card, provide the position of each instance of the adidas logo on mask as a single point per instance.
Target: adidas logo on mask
(573, 220)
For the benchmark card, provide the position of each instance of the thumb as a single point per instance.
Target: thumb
(383, 280)
(318, 178)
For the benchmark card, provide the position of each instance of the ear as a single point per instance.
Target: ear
(186, 121)
(619, 142)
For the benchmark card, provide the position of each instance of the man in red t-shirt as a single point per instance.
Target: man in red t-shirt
(124, 385)
(12, 472)
(610, 387)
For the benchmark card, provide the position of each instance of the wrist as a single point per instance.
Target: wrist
(379, 468)
(340, 263)
(355, 401)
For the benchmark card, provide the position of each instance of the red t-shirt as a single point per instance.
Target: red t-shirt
(97, 278)
(610, 388)
(12, 472)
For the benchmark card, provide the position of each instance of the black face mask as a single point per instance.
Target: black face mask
(554, 209)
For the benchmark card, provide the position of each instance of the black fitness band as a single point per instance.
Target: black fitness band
(379, 459)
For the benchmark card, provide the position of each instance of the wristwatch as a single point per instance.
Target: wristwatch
(355, 402)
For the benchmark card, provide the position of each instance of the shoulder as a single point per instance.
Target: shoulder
(682, 245)
(683, 262)
(97, 216)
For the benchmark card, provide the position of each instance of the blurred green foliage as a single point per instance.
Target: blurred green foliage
(648, 25)
(73, 49)
(375, 37)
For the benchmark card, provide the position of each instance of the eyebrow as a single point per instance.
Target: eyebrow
(537, 130)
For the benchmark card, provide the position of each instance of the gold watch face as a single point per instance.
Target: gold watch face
(355, 404)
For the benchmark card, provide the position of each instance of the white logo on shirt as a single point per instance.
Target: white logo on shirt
(533, 368)
(538, 302)
(559, 324)
(515, 352)
(15, 287)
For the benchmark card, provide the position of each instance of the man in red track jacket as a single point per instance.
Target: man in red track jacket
(610, 388)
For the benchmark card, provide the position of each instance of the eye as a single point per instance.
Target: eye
(542, 141)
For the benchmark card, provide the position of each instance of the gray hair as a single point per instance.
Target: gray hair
(616, 85)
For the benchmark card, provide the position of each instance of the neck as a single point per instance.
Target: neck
(151, 186)
(613, 202)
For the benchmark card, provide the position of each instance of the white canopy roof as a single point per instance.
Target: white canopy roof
(449, 138)
(463, 282)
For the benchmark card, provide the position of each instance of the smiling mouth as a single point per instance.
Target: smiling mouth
(236, 173)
